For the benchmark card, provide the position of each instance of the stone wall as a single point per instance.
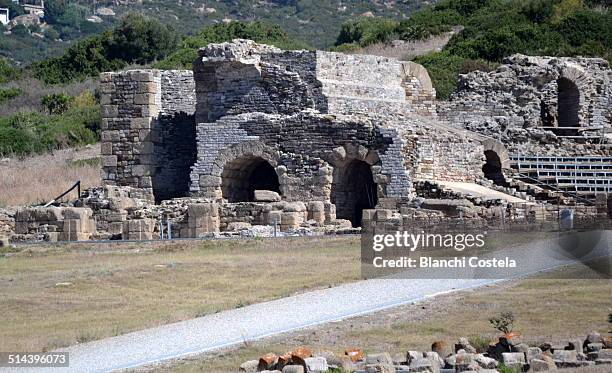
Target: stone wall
(514, 102)
(242, 77)
(148, 130)
(174, 142)
(308, 149)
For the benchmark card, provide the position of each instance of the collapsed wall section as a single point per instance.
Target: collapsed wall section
(532, 101)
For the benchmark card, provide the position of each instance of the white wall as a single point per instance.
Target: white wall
(4, 16)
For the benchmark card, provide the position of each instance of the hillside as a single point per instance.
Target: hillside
(316, 22)
(492, 30)
(53, 103)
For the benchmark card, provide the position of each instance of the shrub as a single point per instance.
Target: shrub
(20, 30)
(56, 103)
(480, 344)
(8, 94)
(140, 40)
(443, 70)
(135, 39)
(29, 132)
(7, 71)
(367, 31)
(51, 33)
(504, 322)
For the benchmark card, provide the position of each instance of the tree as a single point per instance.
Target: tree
(56, 103)
(54, 10)
(141, 40)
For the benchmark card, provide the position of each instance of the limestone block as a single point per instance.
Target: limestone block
(266, 196)
(316, 211)
(76, 230)
(106, 148)
(79, 213)
(109, 161)
(291, 220)
(273, 217)
(330, 212)
(109, 111)
(203, 218)
(38, 214)
(138, 229)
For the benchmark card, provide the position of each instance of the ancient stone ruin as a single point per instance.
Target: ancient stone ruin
(509, 353)
(259, 140)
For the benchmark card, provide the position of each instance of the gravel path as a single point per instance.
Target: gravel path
(232, 327)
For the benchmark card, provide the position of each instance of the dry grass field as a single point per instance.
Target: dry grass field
(41, 178)
(546, 310)
(54, 296)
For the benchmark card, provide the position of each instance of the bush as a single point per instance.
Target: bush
(135, 39)
(7, 71)
(504, 322)
(29, 132)
(367, 31)
(443, 70)
(56, 103)
(428, 22)
(140, 40)
(20, 30)
(8, 94)
(51, 33)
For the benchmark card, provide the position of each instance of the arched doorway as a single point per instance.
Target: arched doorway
(353, 191)
(241, 177)
(492, 169)
(568, 107)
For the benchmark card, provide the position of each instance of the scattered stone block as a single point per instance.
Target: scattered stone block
(382, 358)
(315, 364)
(513, 359)
(354, 354)
(543, 364)
(293, 369)
(249, 366)
(267, 362)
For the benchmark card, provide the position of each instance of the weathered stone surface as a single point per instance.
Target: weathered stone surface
(293, 369)
(249, 366)
(380, 368)
(526, 93)
(541, 365)
(315, 364)
(382, 358)
(513, 359)
(266, 196)
(565, 355)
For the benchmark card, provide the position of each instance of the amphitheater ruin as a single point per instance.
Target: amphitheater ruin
(258, 140)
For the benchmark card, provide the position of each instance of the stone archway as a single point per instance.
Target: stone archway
(242, 176)
(357, 181)
(353, 191)
(496, 161)
(239, 166)
(492, 168)
(568, 107)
